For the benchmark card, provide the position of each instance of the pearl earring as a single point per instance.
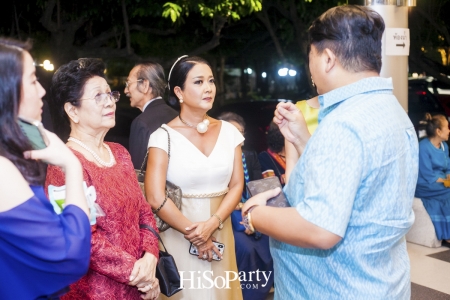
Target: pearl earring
(181, 101)
(312, 82)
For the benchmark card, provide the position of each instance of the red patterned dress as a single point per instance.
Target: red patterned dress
(117, 242)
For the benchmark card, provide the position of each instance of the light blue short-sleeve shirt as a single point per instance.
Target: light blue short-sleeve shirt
(356, 179)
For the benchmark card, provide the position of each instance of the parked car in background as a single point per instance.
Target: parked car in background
(257, 116)
(421, 101)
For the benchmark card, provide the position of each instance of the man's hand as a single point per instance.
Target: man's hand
(260, 199)
(292, 125)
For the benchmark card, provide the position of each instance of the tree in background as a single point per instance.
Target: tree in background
(430, 38)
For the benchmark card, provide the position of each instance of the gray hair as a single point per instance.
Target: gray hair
(231, 116)
(154, 74)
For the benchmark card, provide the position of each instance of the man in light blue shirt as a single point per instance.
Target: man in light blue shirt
(351, 192)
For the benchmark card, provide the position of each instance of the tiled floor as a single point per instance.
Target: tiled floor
(426, 271)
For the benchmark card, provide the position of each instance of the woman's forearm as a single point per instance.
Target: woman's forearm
(226, 207)
(170, 214)
(74, 185)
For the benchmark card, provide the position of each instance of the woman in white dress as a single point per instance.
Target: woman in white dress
(205, 162)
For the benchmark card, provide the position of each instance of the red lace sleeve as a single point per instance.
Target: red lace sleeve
(109, 260)
(149, 240)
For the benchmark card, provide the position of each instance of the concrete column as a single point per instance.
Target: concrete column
(395, 15)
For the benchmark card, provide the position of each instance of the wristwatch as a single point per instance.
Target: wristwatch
(220, 221)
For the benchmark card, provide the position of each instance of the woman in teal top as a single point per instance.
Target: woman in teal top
(434, 168)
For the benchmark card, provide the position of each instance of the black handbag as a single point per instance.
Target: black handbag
(173, 191)
(166, 269)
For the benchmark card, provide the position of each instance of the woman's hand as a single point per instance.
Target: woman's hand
(208, 249)
(441, 180)
(56, 153)
(200, 232)
(260, 199)
(144, 270)
(151, 290)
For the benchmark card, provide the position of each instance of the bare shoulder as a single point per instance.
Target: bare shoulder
(14, 189)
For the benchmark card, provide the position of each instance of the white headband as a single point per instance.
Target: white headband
(170, 72)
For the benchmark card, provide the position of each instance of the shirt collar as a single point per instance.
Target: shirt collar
(364, 86)
(150, 101)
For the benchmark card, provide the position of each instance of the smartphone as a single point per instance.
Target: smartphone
(193, 250)
(34, 131)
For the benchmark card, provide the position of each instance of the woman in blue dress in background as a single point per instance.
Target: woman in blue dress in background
(41, 252)
(252, 250)
(434, 168)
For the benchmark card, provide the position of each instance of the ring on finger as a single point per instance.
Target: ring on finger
(204, 256)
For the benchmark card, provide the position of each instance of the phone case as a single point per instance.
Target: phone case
(193, 250)
(34, 131)
(261, 185)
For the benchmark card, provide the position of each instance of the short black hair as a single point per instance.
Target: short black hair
(275, 138)
(68, 86)
(180, 70)
(353, 33)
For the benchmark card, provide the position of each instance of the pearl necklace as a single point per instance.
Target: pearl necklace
(201, 127)
(96, 157)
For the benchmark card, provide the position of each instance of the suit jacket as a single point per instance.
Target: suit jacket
(154, 115)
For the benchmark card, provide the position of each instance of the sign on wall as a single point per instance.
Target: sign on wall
(397, 41)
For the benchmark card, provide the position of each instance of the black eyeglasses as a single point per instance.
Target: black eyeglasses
(102, 99)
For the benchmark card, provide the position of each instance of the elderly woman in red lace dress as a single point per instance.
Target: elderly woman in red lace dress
(123, 256)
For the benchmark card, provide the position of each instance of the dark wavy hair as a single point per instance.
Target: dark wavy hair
(12, 140)
(432, 123)
(68, 86)
(180, 71)
(353, 33)
(275, 138)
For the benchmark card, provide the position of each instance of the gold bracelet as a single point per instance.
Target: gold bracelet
(220, 221)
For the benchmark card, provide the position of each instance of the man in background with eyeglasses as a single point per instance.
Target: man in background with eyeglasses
(145, 87)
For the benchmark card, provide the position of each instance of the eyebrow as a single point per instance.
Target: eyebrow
(97, 87)
(201, 76)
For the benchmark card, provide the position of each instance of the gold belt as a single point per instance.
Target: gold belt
(210, 195)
